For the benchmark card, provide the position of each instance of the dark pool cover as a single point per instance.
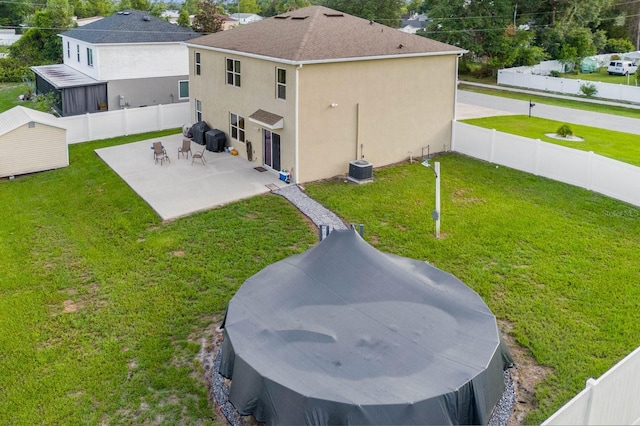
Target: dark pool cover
(346, 334)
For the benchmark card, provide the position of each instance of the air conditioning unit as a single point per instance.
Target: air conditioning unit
(360, 171)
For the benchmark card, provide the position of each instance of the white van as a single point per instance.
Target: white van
(621, 67)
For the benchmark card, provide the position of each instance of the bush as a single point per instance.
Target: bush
(588, 89)
(615, 57)
(564, 131)
(12, 71)
(554, 73)
(618, 45)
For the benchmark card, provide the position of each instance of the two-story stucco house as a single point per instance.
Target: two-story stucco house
(129, 59)
(314, 89)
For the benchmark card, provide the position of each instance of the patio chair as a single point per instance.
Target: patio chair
(159, 153)
(185, 148)
(198, 154)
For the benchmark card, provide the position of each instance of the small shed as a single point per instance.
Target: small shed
(589, 65)
(31, 141)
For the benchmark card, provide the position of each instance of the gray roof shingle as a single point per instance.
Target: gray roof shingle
(133, 26)
(317, 33)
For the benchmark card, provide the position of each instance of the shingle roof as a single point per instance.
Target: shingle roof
(317, 33)
(132, 26)
(19, 116)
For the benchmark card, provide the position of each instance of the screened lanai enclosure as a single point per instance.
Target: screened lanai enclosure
(74, 93)
(346, 334)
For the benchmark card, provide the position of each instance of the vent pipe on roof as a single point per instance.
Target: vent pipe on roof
(146, 18)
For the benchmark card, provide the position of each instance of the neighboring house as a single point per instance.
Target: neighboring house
(413, 23)
(313, 89)
(129, 59)
(227, 22)
(31, 141)
(8, 37)
(246, 18)
(86, 21)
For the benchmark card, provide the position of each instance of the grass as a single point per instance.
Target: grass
(102, 305)
(603, 76)
(568, 103)
(617, 145)
(559, 262)
(9, 93)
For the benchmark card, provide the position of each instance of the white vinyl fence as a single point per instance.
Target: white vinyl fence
(580, 168)
(109, 124)
(618, 92)
(613, 399)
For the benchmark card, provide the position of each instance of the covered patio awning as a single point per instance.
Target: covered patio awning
(62, 76)
(267, 119)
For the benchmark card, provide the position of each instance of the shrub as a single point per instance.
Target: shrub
(554, 73)
(618, 45)
(615, 57)
(588, 89)
(564, 131)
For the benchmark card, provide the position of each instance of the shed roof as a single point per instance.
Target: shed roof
(19, 116)
(319, 34)
(62, 76)
(132, 26)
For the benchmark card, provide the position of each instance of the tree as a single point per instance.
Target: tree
(40, 44)
(385, 12)
(207, 20)
(13, 13)
(183, 18)
(618, 45)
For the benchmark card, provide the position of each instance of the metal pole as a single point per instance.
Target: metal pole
(437, 214)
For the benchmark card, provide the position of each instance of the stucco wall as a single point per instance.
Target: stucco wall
(257, 91)
(390, 107)
(145, 91)
(127, 61)
(28, 150)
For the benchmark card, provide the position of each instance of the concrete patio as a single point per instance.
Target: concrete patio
(178, 188)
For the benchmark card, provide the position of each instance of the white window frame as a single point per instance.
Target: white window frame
(68, 49)
(78, 51)
(281, 85)
(90, 57)
(180, 83)
(196, 61)
(236, 127)
(232, 74)
(198, 110)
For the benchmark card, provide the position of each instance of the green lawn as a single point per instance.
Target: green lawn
(559, 262)
(617, 145)
(603, 76)
(9, 93)
(102, 306)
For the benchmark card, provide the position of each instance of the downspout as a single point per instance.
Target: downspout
(296, 163)
(357, 129)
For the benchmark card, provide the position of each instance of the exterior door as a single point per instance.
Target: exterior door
(271, 149)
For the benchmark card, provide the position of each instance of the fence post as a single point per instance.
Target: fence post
(536, 157)
(89, 135)
(591, 386)
(492, 147)
(453, 135)
(590, 168)
(125, 121)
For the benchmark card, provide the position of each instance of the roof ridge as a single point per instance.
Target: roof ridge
(303, 43)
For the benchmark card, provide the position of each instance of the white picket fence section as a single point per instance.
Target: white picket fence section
(613, 399)
(109, 124)
(580, 168)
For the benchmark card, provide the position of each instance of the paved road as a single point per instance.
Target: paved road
(568, 115)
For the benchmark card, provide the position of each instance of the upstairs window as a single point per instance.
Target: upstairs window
(198, 110)
(233, 72)
(89, 57)
(281, 83)
(78, 51)
(237, 127)
(68, 50)
(197, 62)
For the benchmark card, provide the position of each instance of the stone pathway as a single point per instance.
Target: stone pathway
(311, 208)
